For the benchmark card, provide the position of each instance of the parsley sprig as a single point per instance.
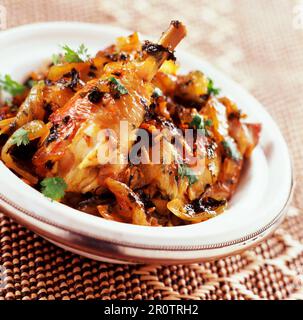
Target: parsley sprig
(20, 137)
(11, 86)
(118, 86)
(53, 188)
(211, 88)
(200, 123)
(185, 171)
(70, 55)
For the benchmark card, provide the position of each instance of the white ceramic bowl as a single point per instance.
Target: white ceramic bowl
(254, 212)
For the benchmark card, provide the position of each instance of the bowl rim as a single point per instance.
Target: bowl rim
(258, 233)
(6, 203)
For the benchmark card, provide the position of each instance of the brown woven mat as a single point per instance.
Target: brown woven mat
(259, 43)
(36, 269)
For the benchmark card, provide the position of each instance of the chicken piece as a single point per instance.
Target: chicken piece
(237, 140)
(179, 166)
(39, 103)
(57, 84)
(197, 188)
(35, 129)
(88, 126)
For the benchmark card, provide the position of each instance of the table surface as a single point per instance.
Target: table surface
(256, 42)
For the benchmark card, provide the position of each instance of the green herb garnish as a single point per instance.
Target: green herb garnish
(211, 89)
(201, 124)
(12, 87)
(75, 56)
(185, 171)
(157, 93)
(31, 83)
(118, 86)
(231, 149)
(20, 137)
(70, 55)
(208, 123)
(53, 188)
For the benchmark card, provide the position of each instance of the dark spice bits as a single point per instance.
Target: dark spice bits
(123, 56)
(131, 197)
(117, 73)
(92, 74)
(53, 135)
(48, 82)
(93, 67)
(74, 79)
(150, 112)
(117, 56)
(155, 49)
(176, 23)
(49, 165)
(48, 110)
(145, 199)
(207, 204)
(66, 119)
(235, 115)
(210, 150)
(95, 95)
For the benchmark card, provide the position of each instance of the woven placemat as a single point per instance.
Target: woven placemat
(256, 42)
(36, 269)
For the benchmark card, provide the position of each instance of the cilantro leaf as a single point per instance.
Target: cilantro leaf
(20, 137)
(53, 188)
(12, 87)
(211, 89)
(231, 149)
(83, 52)
(185, 171)
(208, 123)
(197, 122)
(71, 55)
(118, 86)
(201, 124)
